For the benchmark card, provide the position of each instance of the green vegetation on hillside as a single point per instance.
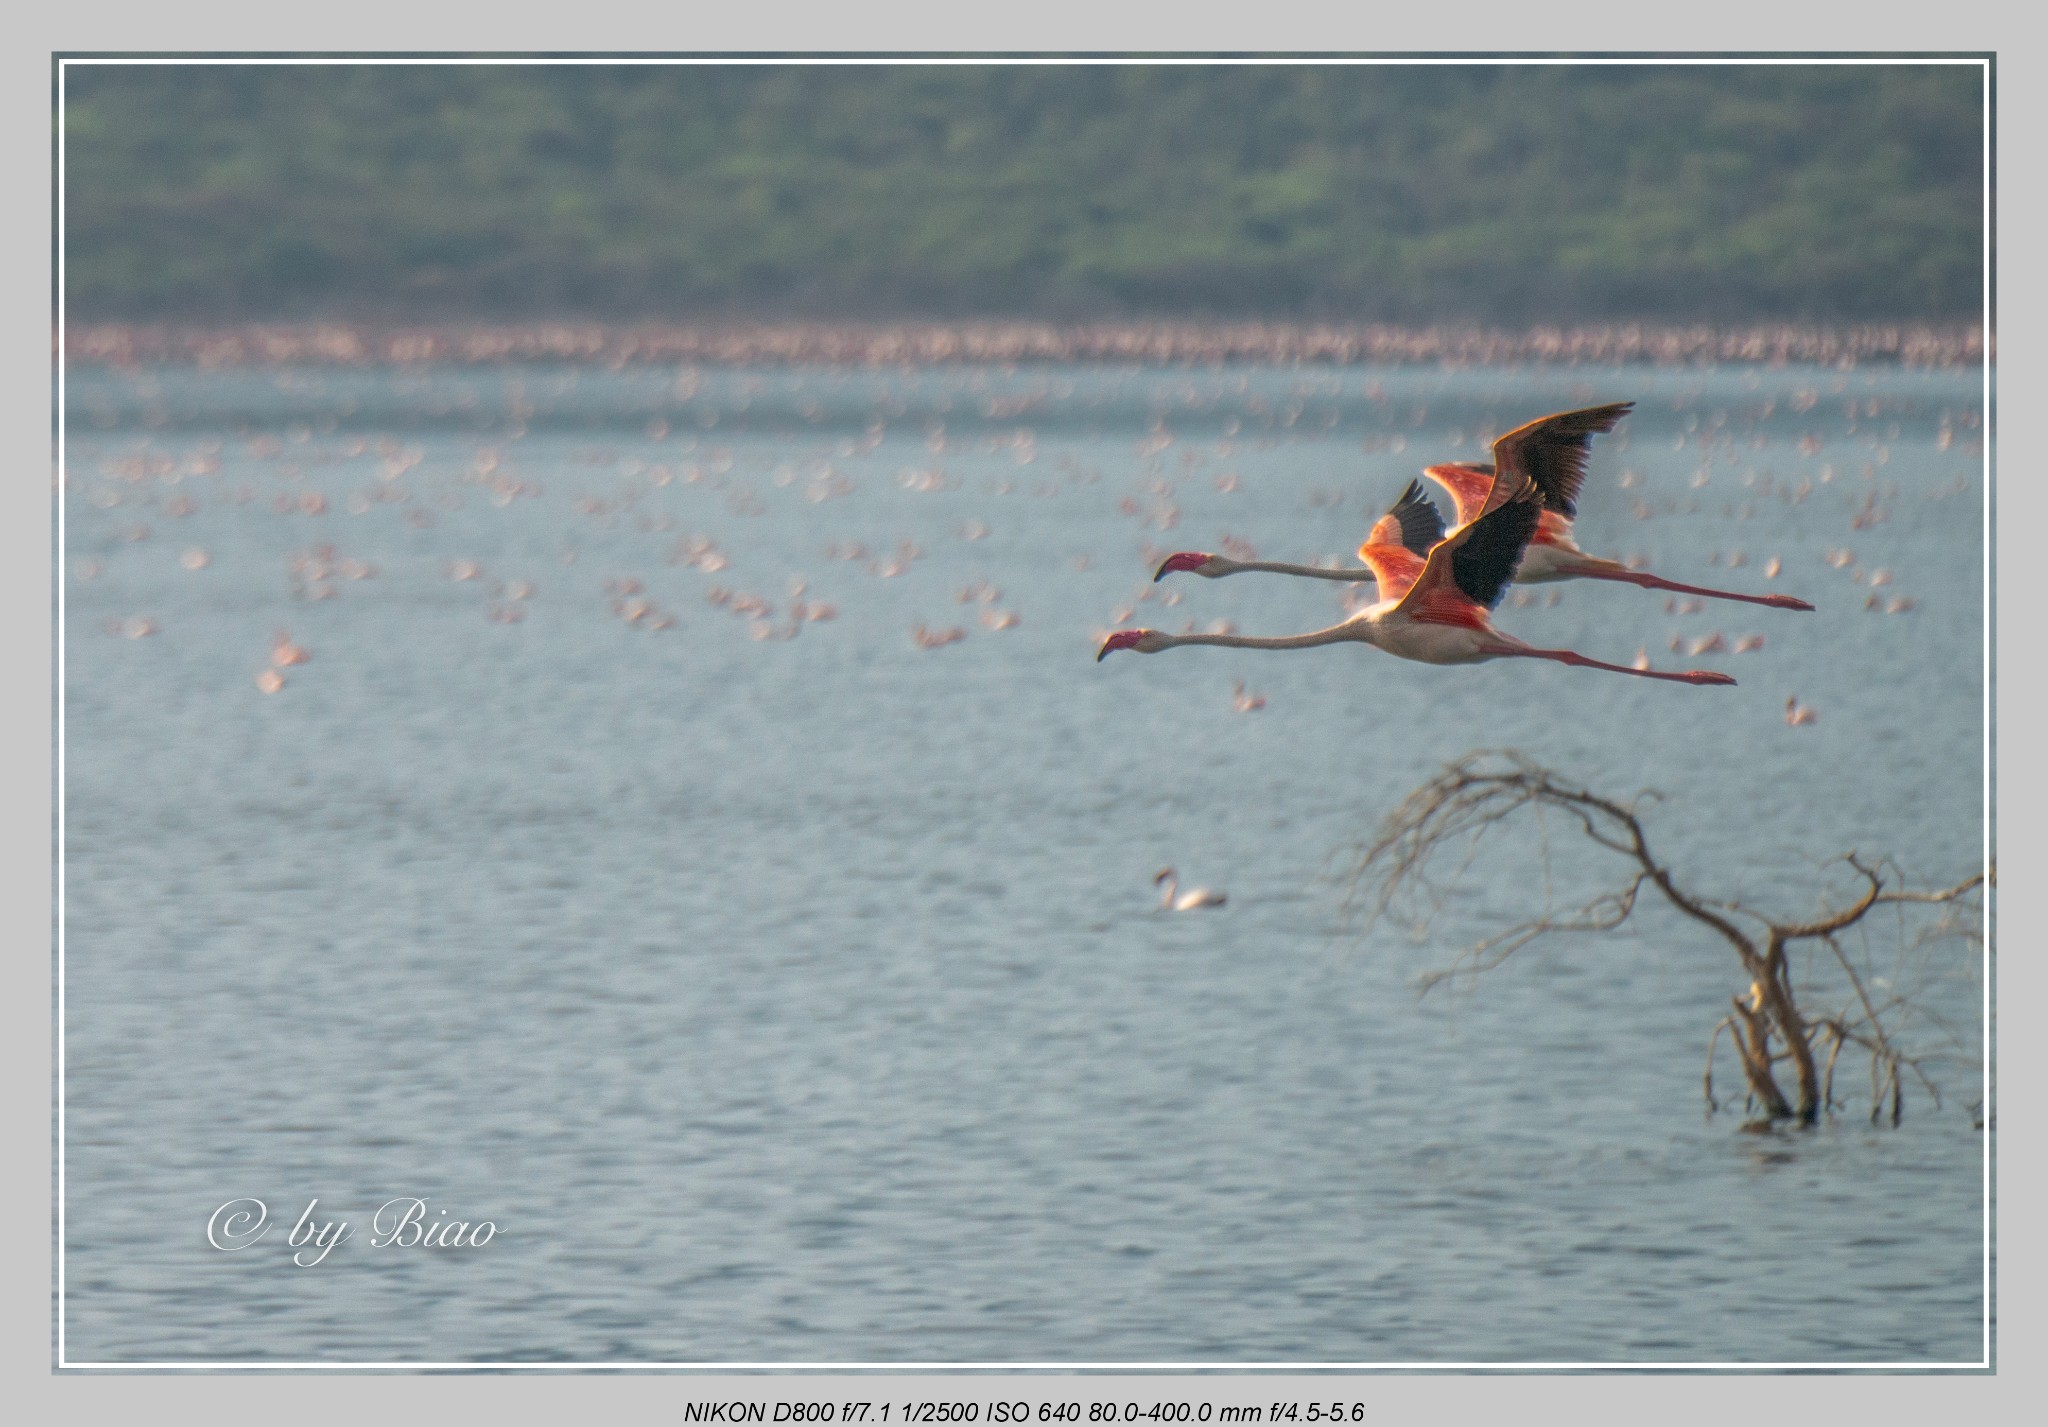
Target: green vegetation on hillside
(1405, 193)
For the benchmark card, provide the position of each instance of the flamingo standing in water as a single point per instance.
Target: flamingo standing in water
(1172, 899)
(1434, 610)
(1551, 452)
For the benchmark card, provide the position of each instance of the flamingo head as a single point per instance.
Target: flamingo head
(1198, 561)
(1145, 641)
(1163, 874)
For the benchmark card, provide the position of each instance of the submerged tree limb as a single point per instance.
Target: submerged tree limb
(1483, 792)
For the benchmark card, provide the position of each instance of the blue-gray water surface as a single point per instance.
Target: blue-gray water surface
(620, 866)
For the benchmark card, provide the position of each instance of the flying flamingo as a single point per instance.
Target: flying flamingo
(1433, 610)
(1172, 899)
(1550, 451)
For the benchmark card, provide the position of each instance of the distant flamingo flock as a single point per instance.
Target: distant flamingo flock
(1422, 587)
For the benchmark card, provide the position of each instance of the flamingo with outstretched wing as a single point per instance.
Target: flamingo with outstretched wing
(1551, 452)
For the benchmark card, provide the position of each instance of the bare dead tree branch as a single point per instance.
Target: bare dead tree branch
(1477, 798)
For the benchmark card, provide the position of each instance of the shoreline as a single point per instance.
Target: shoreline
(999, 342)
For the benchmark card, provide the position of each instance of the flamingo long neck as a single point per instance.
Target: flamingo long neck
(1350, 629)
(1314, 572)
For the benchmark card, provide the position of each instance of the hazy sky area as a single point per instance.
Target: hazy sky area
(1462, 192)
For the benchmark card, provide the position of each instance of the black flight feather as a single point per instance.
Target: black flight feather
(1484, 563)
(1422, 524)
(1553, 451)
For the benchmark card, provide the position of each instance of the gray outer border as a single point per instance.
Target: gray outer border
(1052, 25)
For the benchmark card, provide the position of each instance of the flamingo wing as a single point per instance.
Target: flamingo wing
(1413, 521)
(1394, 567)
(1468, 484)
(1470, 569)
(1551, 451)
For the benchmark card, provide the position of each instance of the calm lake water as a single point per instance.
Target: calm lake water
(805, 998)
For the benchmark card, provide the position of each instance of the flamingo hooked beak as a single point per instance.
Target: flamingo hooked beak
(1122, 639)
(1185, 560)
